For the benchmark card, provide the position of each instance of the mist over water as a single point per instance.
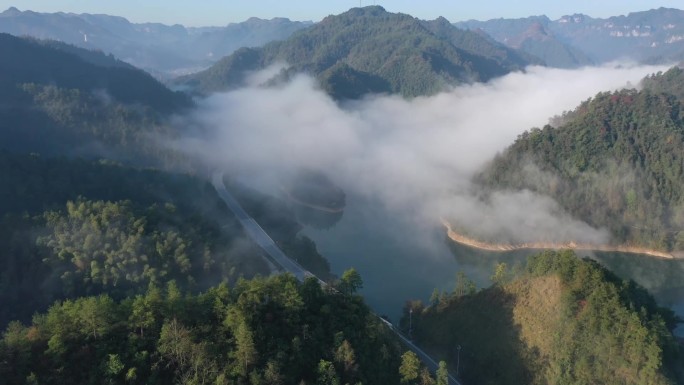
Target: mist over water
(416, 157)
(404, 164)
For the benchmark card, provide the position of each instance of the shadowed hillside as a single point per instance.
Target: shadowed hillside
(564, 320)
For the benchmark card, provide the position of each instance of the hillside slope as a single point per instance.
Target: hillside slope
(263, 331)
(29, 61)
(371, 50)
(60, 99)
(615, 162)
(565, 320)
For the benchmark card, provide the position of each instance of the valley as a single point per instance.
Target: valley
(256, 203)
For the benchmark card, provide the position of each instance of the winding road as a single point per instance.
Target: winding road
(258, 234)
(262, 239)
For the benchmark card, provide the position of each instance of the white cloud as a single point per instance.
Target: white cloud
(414, 155)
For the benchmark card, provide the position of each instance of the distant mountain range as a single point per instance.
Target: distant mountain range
(371, 50)
(655, 36)
(333, 51)
(364, 50)
(160, 49)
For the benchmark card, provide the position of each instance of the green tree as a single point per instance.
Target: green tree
(410, 368)
(350, 282)
(326, 374)
(94, 314)
(113, 367)
(463, 285)
(500, 275)
(246, 352)
(142, 316)
(175, 343)
(442, 374)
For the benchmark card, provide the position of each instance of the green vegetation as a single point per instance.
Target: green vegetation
(371, 50)
(561, 321)
(263, 331)
(72, 228)
(48, 63)
(615, 162)
(668, 82)
(144, 268)
(57, 99)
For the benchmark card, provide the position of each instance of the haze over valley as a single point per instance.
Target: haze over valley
(367, 198)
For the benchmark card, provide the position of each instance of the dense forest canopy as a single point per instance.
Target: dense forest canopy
(615, 162)
(560, 320)
(262, 331)
(73, 228)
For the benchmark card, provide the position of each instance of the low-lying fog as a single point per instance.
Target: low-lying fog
(415, 156)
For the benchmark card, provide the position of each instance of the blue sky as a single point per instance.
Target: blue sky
(221, 12)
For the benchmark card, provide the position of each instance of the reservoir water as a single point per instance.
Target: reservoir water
(399, 263)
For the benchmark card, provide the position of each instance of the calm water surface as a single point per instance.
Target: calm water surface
(397, 265)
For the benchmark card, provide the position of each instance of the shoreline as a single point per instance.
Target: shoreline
(311, 205)
(498, 247)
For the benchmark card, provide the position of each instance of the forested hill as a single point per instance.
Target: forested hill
(264, 331)
(615, 162)
(562, 320)
(60, 99)
(27, 61)
(369, 50)
(70, 228)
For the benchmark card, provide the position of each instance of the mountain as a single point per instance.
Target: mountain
(371, 50)
(541, 42)
(614, 162)
(561, 320)
(47, 63)
(531, 35)
(654, 36)
(160, 49)
(60, 99)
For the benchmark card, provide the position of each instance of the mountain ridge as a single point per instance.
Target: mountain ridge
(653, 36)
(164, 50)
(397, 53)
